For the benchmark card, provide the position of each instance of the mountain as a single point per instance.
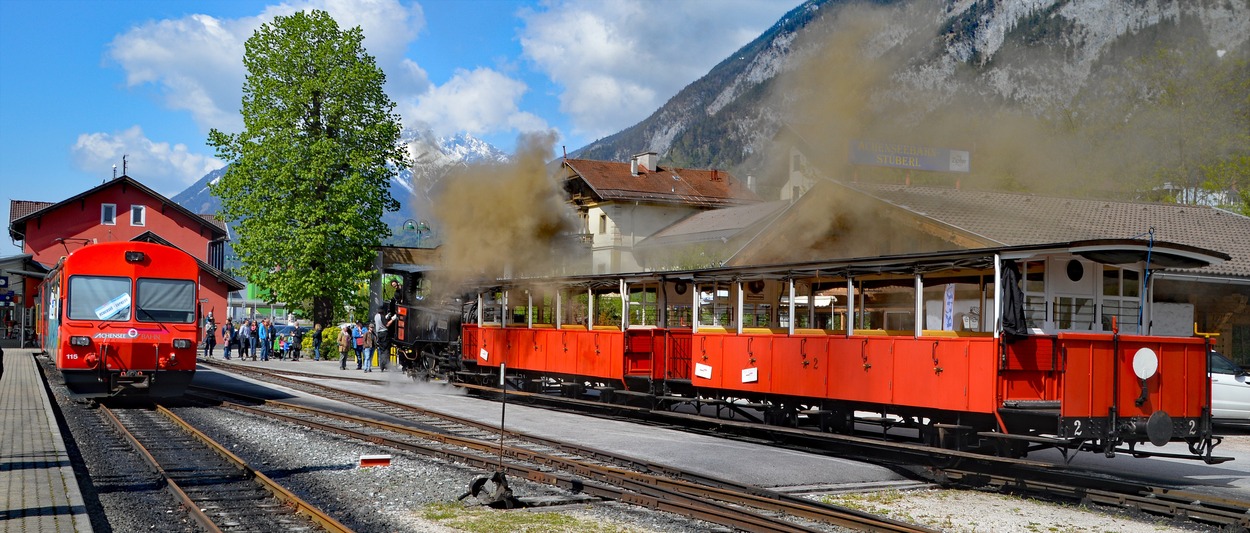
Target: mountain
(1109, 86)
(433, 157)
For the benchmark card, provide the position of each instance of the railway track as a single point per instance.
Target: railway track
(217, 489)
(940, 466)
(945, 467)
(962, 468)
(587, 470)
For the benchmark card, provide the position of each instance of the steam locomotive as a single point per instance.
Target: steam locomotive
(1005, 350)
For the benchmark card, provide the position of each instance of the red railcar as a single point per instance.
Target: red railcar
(120, 318)
(1006, 349)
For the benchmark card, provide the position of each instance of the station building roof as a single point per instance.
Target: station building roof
(616, 181)
(1013, 219)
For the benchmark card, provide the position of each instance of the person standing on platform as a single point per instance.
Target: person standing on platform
(297, 339)
(358, 344)
(253, 339)
(210, 336)
(316, 342)
(345, 342)
(227, 337)
(264, 334)
(366, 345)
(241, 335)
(381, 341)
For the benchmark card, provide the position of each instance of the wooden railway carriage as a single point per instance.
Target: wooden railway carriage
(120, 318)
(1058, 358)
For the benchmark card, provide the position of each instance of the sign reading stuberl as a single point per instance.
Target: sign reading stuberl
(882, 154)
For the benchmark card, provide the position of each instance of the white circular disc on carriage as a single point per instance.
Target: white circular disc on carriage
(1145, 363)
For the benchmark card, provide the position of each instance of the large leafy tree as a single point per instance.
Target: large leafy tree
(307, 180)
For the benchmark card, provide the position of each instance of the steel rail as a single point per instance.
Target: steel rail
(650, 491)
(725, 491)
(699, 484)
(279, 492)
(653, 498)
(188, 504)
(1136, 496)
(1195, 507)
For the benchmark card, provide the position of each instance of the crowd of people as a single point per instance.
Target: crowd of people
(257, 339)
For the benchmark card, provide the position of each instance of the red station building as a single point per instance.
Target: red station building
(122, 209)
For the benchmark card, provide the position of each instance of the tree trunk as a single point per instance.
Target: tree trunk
(323, 313)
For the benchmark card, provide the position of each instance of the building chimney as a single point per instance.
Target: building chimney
(648, 160)
(715, 175)
(633, 166)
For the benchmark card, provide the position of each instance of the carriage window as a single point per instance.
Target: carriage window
(165, 300)
(573, 307)
(1074, 313)
(99, 298)
(544, 307)
(1120, 290)
(1035, 293)
(715, 307)
(756, 315)
(608, 309)
(643, 306)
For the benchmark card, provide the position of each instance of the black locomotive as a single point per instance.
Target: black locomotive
(423, 325)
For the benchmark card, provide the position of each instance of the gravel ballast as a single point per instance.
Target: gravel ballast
(123, 495)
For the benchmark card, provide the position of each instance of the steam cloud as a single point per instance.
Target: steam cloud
(504, 219)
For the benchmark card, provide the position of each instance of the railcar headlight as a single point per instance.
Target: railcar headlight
(182, 343)
(80, 340)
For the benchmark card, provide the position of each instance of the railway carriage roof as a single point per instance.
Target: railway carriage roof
(1109, 251)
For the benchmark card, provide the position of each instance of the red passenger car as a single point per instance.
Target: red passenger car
(1003, 350)
(120, 318)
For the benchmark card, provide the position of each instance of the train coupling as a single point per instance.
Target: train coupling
(499, 497)
(1157, 429)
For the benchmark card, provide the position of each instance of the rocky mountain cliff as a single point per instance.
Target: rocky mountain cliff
(1034, 77)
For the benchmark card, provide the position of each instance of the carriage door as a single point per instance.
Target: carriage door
(1072, 289)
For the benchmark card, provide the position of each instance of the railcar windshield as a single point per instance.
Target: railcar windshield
(99, 298)
(166, 300)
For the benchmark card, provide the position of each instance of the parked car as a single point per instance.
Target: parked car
(1230, 390)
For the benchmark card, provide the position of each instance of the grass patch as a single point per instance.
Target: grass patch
(487, 520)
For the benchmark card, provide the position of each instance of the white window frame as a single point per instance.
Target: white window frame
(143, 215)
(110, 220)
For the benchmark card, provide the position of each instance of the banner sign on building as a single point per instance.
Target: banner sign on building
(881, 154)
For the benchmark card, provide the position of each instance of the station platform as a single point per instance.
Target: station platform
(40, 492)
(744, 462)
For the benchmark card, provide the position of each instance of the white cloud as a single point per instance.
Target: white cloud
(479, 101)
(166, 168)
(618, 61)
(196, 62)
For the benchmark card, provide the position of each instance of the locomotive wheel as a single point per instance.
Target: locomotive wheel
(427, 363)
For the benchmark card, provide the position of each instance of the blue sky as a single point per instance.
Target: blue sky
(83, 82)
